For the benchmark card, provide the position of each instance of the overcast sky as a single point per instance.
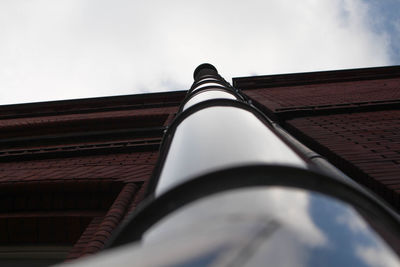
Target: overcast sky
(64, 49)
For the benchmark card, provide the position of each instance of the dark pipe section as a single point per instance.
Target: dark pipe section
(204, 69)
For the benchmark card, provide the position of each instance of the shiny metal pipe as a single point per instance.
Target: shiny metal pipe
(230, 190)
(219, 131)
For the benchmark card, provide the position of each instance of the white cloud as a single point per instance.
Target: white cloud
(292, 208)
(288, 207)
(379, 256)
(70, 49)
(352, 221)
(373, 253)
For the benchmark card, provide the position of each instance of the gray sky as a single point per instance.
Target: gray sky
(64, 49)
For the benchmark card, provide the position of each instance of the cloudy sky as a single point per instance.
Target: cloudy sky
(64, 49)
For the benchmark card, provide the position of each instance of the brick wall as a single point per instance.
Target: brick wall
(351, 117)
(70, 171)
(330, 94)
(365, 144)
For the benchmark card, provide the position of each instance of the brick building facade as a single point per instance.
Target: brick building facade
(70, 171)
(350, 117)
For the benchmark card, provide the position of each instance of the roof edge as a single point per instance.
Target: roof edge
(330, 76)
(95, 104)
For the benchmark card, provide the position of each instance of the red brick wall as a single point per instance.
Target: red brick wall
(78, 167)
(366, 144)
(351, 117)
(330, 94)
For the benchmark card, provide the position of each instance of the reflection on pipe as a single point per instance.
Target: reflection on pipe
(257, 226)
(236, 137)
(208, 95)
(216, 137)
